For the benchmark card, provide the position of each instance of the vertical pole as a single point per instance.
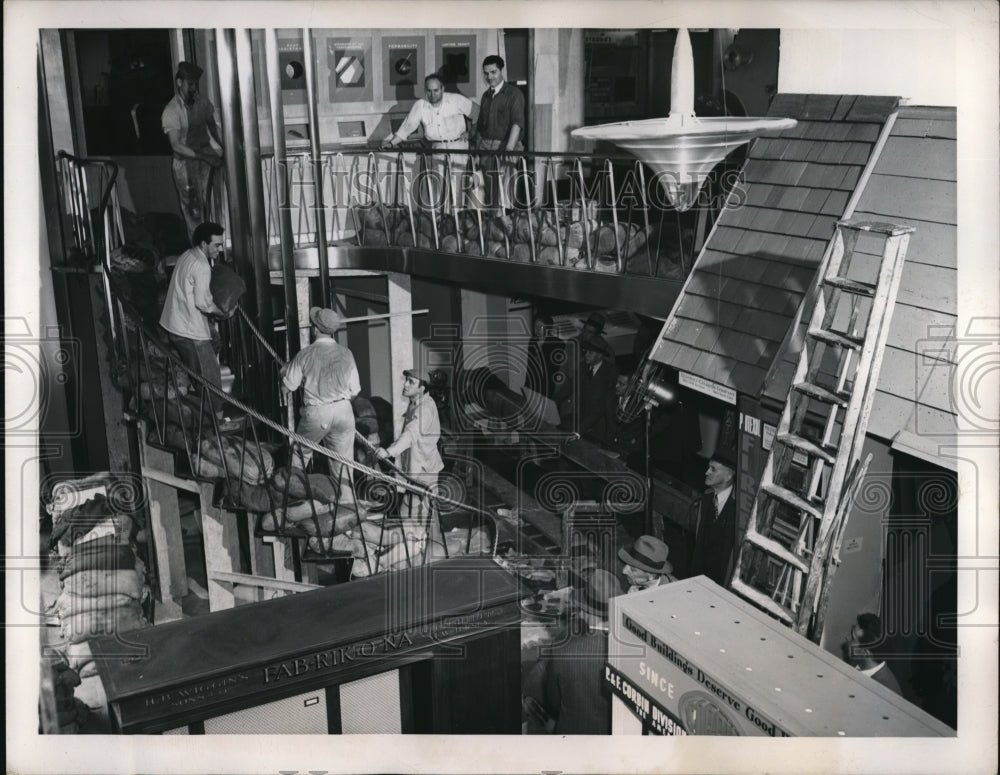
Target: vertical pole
(257, 232)
(319, 208)
(281, 181)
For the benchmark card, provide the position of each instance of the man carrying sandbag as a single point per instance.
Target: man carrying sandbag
(329, 378)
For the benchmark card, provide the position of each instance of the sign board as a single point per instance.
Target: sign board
(706, 386)
(695, 654)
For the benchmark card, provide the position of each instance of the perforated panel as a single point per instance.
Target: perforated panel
(371, 705)
(304, 714)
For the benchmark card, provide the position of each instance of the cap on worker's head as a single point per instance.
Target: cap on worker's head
(599, 587)
(188, 71)
(326, 320)
(726, 457)
(421, 374)
(648, 553)
(598, 344)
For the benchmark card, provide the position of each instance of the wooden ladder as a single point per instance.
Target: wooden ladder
(789, 553)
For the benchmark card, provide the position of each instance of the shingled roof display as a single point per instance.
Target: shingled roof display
(738, 303)
(913, 182)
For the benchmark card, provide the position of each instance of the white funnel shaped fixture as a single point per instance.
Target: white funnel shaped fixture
(682, 148)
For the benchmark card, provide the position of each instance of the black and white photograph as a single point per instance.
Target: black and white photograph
(501, 387)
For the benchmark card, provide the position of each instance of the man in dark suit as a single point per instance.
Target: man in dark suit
(596, 391)
(715, 542)
(863, 649)
(546, 355)
(576, 696)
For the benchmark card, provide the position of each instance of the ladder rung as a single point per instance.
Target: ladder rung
(787, 496)
(877, 227)
(809, 447)
(851, 286)
(775, 549)
(784, 530)
(830, 337)
(760, 600)
(815, 391)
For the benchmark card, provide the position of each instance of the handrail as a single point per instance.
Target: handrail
(529, 206)
(148, 345)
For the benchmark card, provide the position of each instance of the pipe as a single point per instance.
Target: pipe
(273, 69)
(255, 184)
(319, 207)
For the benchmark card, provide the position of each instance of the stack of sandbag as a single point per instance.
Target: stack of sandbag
(93, 519)
(102, 579)
(71, 713)
(244, 459)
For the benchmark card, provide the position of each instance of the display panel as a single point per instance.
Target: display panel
(403, 58)
(348, 69)
(456, 62)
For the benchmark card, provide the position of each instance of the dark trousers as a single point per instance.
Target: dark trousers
(199, 356)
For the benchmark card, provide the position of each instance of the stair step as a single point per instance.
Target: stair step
(850, 286)
(821, 393)
(761, 600)
(841, 340)
(804, 445)
(775, 549)
(795, 501)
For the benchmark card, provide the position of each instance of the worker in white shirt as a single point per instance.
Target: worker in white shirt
(445, 118)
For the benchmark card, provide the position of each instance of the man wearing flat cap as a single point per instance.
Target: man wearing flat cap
(417, 445)
(646, 563)
(576, 695)
(716, 540)
(329, 379)
(188, 121)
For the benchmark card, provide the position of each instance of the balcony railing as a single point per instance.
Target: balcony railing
(585, 212)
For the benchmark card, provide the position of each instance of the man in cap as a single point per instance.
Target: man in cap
(329, 379)
(715, 540)
(861, 650)
(576, 696)
(646, 563)
(419, 437)
(188, 121)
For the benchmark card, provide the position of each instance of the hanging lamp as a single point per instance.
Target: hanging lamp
(682, 149)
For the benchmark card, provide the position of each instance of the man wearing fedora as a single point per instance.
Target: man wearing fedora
(576, 696)
(646, 563)
(716, 540)
(597, 387)
(329, 379)
(417, 445)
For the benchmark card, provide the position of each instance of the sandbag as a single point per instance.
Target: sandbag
(119, 557)
(68, 604)
(449, 244)
(92, 624)
(246, 460)
(520, 252)
(97, 583)
(227, 288)
(78, 655)
(496, 249)
(251, 497)
(320, 487)
(472, 248)
(549, 255)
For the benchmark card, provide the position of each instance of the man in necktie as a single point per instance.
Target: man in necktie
(500, 126)
(715, 536)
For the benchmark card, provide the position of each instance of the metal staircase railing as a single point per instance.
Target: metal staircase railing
(180, 408)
